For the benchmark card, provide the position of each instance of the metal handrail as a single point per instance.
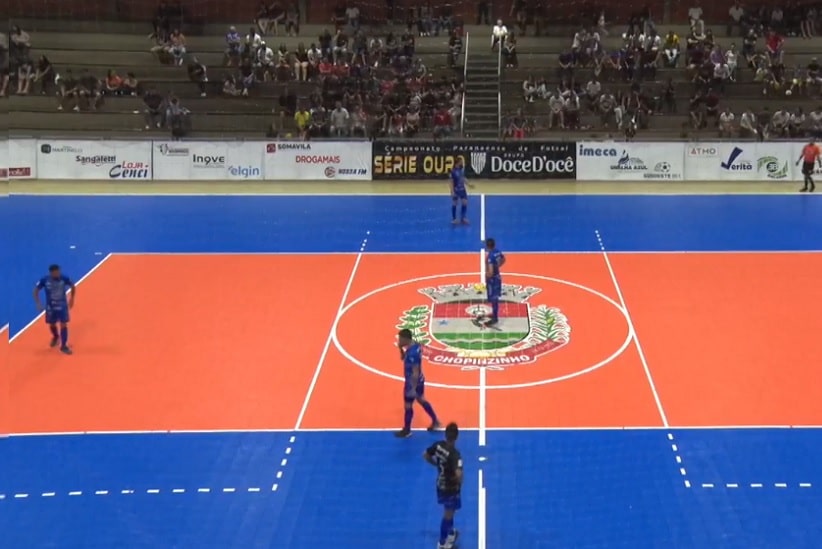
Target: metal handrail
(499, 88)
(464, 87)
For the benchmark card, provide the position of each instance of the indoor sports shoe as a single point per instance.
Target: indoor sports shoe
(55, 341)
(465, 222)
(435, 426)
(403, 433)
(65, 350)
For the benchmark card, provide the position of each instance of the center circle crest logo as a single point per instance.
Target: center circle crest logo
(450, 324)
(540, 316)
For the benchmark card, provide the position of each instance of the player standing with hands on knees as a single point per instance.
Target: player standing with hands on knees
(56, 287)
(459, 195)
(447, 459)
(414, 389)
(809, 157)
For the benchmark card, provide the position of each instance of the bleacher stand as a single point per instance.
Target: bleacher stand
(570, 68)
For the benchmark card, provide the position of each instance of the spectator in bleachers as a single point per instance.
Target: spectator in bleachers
(326, 42)
(292, 20)
(162, 49)
(509, 53)
(302, 119)
(735, 17)
(732, 61)
(4, 80)
(593, 90)
(352, 16)
(68, 94)
(454, 49)
(726, 123)
(443, 122)
(284, 70)
(529, 90)
(775, 46)
(46, 75)
(177, 46)
(796, 127)
(19, 43)
(556, 116)
(301, 63)
(198, 73)
(359, 122)
(91, 90)
(251, 44)
(233, 47)
(161, 22)
(155, 112)
(230, 88)
(498, 34)
(340, 47)
(247, 76)
(780, 123)
(25, 76)
(748, 125)
(338, 121)
(807, 25)
(177, 118)
(130, 85)
(815, 123)
(695, 19)
(264, 62)
(269, 17)
(113, 84)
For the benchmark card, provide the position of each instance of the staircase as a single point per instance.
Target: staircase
(482, 89)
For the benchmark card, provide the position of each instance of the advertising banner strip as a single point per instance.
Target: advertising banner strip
(483, 159)
(94, 160)
(317, 160)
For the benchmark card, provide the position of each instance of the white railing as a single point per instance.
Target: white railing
(464, 87)
(499, 89)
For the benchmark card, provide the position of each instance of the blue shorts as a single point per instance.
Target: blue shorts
(53, 316)
(419, 392)
(493, 288)
(451, 502)
(460, 195)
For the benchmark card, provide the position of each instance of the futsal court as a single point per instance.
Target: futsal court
(654, 381)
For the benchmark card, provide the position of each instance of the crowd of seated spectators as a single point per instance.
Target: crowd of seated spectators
(622, 89)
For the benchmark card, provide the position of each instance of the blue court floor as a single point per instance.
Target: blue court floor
(524, 489)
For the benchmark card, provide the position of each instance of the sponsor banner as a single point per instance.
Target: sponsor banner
(22, 159)
(483, 159)
(608, 161)
(4, 159)
(770, 161)
(207, 160)
(317, 160)
(97, 160)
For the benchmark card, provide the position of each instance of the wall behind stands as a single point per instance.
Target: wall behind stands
(320, 11)
(544, 161)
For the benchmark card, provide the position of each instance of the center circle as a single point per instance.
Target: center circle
(582, 326)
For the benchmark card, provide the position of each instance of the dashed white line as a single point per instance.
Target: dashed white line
(204, 490)
(178, 491)
(101, 493)
(152, 491)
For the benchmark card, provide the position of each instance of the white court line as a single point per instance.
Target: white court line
(4, 328)
(458, 252)
(593, 428)
(660, 409)
(40, 315)
(482, 373)
(481, 513)
(387, 195)
(483, 393)
(648, 376)
(328, 340)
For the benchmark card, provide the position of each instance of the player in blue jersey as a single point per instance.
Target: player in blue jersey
(494, 260)
(56, 287)
(447, 459)
(459, 194)
(414, 389)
